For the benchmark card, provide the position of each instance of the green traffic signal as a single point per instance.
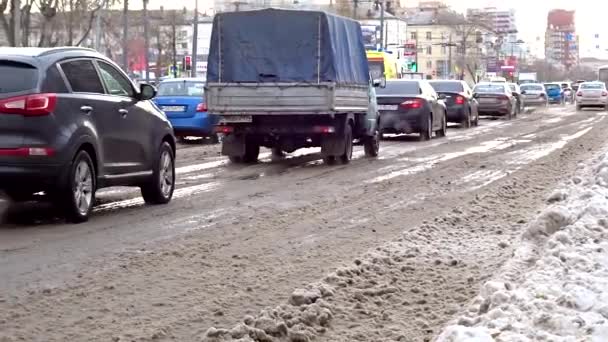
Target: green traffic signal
(413, 67)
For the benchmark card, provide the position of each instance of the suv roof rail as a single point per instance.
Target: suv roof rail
(65, 49)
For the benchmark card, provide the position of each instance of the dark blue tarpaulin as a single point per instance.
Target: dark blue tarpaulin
(273, 45)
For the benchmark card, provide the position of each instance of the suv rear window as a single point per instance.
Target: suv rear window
(455, 87)
(17, 77)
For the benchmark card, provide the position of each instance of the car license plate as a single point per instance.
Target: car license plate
(174, 108)
(387, 107)
(482, 100)
(236, 118)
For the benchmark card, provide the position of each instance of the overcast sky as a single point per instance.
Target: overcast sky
(531, 16)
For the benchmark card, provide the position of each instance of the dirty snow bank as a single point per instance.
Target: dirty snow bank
(555, 288)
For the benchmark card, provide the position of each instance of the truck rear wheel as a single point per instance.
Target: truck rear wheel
(347, 156)
(252, 151)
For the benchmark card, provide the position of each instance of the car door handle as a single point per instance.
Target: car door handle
(123, 112)
(86, 109)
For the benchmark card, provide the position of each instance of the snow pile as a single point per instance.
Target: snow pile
(555, 288)
(306, 315)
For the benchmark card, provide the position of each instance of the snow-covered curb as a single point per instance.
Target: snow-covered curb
(555, 288)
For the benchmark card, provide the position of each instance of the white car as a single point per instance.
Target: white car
(592, 94)
(534, 94)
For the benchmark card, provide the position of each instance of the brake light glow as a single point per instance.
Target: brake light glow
(224, 129)
(201, 107)
(459, 100)
(324, 129)
(411, 104)
(27, 152)
(29, 105)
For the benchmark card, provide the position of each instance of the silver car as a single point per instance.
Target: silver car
(534, 94)
(592, 94)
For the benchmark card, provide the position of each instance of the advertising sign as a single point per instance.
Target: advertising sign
(370, 36)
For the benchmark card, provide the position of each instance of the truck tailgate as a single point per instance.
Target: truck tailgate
(288, 98)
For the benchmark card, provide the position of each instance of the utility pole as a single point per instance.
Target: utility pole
(125, 36)
(146, 42)
(174, 42)
(15, 22)
(382, 4)
(195, 40)
(450, 57)
(355, 5)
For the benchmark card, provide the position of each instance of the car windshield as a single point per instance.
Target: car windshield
(440, 86)
(489, 88)
(552, 86)
(17, 77)
(400, 88)
(185, 88)
(528, 87)
(592, 86)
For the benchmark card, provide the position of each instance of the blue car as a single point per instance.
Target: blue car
(555, 94)
(183, 101)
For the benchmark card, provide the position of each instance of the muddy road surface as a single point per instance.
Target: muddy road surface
(238, 239)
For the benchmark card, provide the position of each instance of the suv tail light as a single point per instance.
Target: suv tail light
(604, 93)
(201, 107)
(580, 93)
(411, 104)
(459, 100)
(503, 98)
(29, 105)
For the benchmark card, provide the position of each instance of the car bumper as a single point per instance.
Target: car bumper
(535, 101)
(395, 122)
(600, 101)
(555, 99)
(493, 109)
(456, 114)
(201, 124)
(30, 177)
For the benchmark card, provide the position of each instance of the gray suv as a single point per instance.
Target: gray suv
(71, 122)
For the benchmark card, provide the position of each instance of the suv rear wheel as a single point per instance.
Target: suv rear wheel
(159, 190)
(78, 194)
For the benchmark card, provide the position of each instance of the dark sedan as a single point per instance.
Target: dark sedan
(495, 99)
(411, 106)
(459, 100)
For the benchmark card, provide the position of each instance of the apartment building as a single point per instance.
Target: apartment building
(561, 40)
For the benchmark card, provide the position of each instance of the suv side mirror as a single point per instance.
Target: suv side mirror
(146, 92)
(380, 82)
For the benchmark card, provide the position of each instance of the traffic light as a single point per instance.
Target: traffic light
(187, 63)
(413, 67)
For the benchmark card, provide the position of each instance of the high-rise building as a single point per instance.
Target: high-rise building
(561, 41)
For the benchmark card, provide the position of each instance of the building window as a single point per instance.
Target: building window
(429, 50)
(420, 49)
(414, 35)
(429, 64)
(429, 35)
(184, 45)
(444, 49)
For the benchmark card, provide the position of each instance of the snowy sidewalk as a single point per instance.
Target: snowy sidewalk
(555, 288)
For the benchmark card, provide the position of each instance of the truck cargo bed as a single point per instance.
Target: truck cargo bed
(285, 98)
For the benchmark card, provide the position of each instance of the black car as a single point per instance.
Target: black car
(72, 122)
(411, 106)
(495, 99)
(459, 100)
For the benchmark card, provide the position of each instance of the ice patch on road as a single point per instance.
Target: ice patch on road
(487, 146)
(178, 193)
(555, 288)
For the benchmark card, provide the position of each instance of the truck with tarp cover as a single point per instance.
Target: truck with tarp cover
(289, 79)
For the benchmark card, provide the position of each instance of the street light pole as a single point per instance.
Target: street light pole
(146, 42)
(195, 39)
(382, 4)
(125, 35)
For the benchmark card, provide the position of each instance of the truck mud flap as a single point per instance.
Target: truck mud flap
(333, 145)
(233, 145)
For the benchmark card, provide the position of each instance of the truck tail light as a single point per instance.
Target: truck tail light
(29, 105)
(411, 104)
(201, 107)
(224, 129)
